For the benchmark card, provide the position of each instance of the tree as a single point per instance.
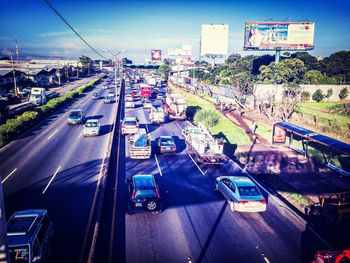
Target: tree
(316, 77)
(290, 100)
(329, 93)
(287, 71)
(318, 95)
(337, 65)
(343, 93)
(86, 62)
(310, 62)
(164, 70)
(305, 96)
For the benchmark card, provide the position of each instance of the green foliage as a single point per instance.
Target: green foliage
(315, 77)
(305, 96)
(164, 70)
(310, 61)
(337, 65)
(18, 125)
(288, 70)
(329, 93)
(318, 95)
(343, 93)
(208, 117)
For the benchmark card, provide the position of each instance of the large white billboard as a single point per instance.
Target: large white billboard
(279, 35)
(214, 40)
(180, 50)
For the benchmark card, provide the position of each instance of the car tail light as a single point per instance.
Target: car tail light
(173, 148)
(243, 202)
(162, 147)
(263, 201)
(157, 192)
(133, 194)
(136, 125)
(123, 126)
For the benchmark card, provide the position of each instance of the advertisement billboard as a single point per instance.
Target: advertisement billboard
(279, 35)
(156, 55)
(279, 135)
(181, 50)
(214, 40)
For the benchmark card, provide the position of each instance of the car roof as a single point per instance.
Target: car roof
(166, 137)
(76, 110)
(92, 120)
(130, 119)
(23, 224)
(143, 181)
(242, 180)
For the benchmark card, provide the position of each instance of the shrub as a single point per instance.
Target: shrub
(305, 96)
(318, 95)
(343, 93)
(208, 117)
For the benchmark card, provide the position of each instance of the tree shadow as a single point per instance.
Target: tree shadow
(191, 111)
(229, 148)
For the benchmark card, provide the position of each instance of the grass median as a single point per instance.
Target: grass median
(233, 134)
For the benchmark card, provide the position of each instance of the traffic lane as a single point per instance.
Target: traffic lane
(39, 145)
(11, 155)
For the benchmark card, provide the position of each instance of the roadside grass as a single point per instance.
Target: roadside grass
(284, 189)
(265, 130)
(224, 128)
(326, 110)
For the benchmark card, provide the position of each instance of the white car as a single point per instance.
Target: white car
(130, 125)
(91, 128)
(129, 102)
(241, 193)
(147, 104)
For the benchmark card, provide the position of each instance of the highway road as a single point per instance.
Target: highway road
(196, 221)
(55, 168)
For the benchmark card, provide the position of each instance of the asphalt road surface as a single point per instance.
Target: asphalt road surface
(196, 221)
(54, 167)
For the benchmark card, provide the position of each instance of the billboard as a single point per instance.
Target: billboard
(181, 50)
(279, 35)
(279, 135)
(214, 40)
(156, 55)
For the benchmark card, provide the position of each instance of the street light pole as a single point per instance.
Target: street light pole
(115, 63)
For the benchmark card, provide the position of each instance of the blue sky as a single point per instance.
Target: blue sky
(140, 26)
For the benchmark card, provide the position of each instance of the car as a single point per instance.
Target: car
(91, 128)
(111, 93)
(4, 98)
(129, 125)
(96, 96)
(166, 144)
(108, 99)
(129, 102)
(76, 116)
(241, 193)
(129, 92)
(104, 87)
(147, 104)
(29, 234)
(161, 96)
(144, 194)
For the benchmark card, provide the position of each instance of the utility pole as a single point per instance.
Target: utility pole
(14, 75)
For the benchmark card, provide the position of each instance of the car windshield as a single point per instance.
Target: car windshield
(166, 141)
(91, 124)
(130, 123)
(35, 96)
(248, 191)
(75, 114)
(145, 193)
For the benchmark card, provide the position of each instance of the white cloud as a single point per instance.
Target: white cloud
(56, 34)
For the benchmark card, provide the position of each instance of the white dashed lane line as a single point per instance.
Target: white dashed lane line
(160, 171)
(53, 134)
(196, 165)
(7, 177)
(53, 177)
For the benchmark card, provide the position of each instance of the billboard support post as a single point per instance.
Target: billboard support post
(277, 56)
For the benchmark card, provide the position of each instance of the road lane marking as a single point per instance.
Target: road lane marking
(196, 164)
(52, 134)
(266, 260)
(147, 128)
(53, 177)
(160, 171)
(7, 177)
(80, 134)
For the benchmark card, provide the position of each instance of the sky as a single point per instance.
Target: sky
(140, 26)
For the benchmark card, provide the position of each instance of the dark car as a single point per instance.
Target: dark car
(76, 116)
(143, 194)
(29, 234)
(166, 144)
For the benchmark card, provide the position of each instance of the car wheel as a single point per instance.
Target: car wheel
(151, 205)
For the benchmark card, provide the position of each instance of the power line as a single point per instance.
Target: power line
(65, 21)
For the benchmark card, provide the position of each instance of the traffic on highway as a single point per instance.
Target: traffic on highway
(120, 175)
